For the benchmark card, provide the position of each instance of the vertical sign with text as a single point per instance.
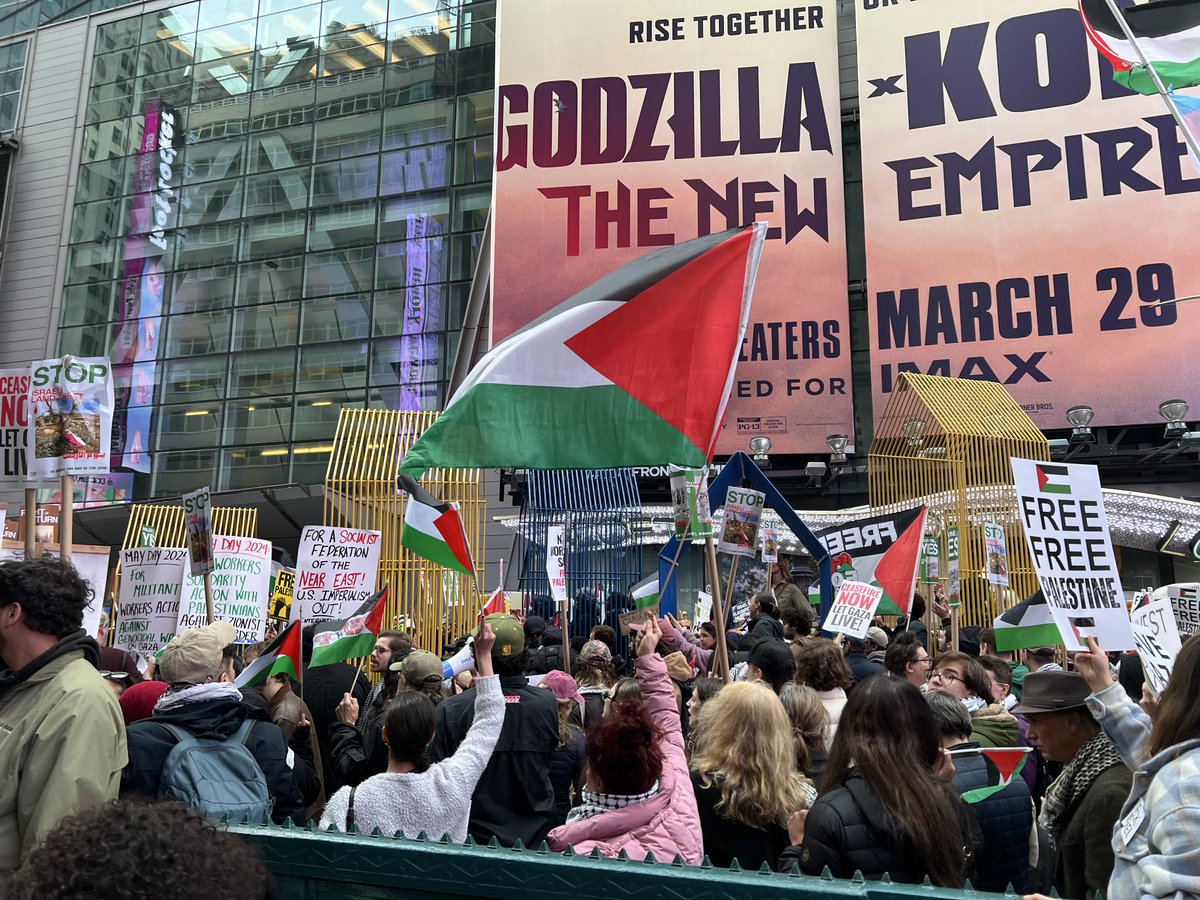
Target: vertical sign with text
(241, 579)
(336, 570)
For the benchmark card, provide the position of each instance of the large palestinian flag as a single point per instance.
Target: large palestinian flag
(634, 370)
(1028, 624)
(1167, 32)
(337, 640)
(879, 550)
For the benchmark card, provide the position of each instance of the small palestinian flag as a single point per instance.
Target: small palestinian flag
(1007, 761)
(645, 593)
(1028, 624)
(896, 571)
(433, 529)
(1167, 33)
(495, 604)
(280, 657)
(338, 640)
(1053, 479)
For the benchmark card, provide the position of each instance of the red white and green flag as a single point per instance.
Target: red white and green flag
(338, 640)
(634, 370)
(1028, 624)
(433, 530)
(1167, 32)
(280, 657)
(1007, 761)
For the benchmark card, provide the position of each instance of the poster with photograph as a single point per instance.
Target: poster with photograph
(743, 510)
(69, 417)
(996, 553)
(197, 522)
(689, 497)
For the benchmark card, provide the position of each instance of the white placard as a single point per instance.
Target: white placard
(743, 510)
(704, 606)
(1158, 641)
(995, 550)
(556, 569)
(1062, 509)
(70, 414)
(770, 545)
(148, 598)
(197, 522)
(853, 608)
(336, 570)
(241, 588)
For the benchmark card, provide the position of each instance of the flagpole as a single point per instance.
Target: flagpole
(300, 625)
(361, 665)
(1154, 76)
(714, 572)
(695, 501)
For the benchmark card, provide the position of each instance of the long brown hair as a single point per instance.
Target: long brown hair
(1178, 716)
(887, 736)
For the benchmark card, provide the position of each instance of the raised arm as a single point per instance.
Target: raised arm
(656, 685)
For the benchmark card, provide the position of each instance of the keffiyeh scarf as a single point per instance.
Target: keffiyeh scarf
(596, 803)
(1093, 758)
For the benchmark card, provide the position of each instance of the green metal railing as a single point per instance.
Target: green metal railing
(314, 865)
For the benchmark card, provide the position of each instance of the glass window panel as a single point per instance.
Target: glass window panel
(214, 201)
(339, 271)
(271, 281)
(110, 67)
(194, 380)
(172, 87)
(228, 120)
(97, 221)
(89, 340)
(353, 56)
(477, 24)
(271, 109)
(316, 415)
(277, 192)
(422, 35)
(214, 13)
(418, 169)
(342, 226)
(109, 101)
(9, 103)
(265, 326)
(473, 160)
(104, 180)
(273, 236)
(414, 78)
(91, 262)
(208, 245)
(335, 319)
(422, 261)
(456, 307)
(222, 79)
(333, 367)
(234, 37)
(282, 65)
(198, 334)
(261, 420)
(464, 251)
(303, 24)
(253, 467)
(263, 373)
(169, 23)
(109, 139)
(90, 304)
(406, 371)
(351, 136)
(312, 461)
(471, 207)
(418, 309)
(346, 179)
(432, 212)
(190, 426)
(301, 7)
(338, 16)
(476, 114)
(180, 471)
(476, 67)
(354, 92)
(213, 160)
(166, 55)
(202, 289)
(416, 123)
(281, 149)
(117, 35)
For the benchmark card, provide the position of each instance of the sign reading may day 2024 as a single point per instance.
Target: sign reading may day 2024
(241, 588)
(1062, 509)
(148, 598)
(335, 572)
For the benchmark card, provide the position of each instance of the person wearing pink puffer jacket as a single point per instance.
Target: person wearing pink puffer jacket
(639, 795)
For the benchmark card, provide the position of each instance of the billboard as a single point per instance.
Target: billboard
(1019, 209)
(618, 134)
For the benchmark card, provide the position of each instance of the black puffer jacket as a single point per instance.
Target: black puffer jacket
(849, 830)
(1005, 818)
(761, 628)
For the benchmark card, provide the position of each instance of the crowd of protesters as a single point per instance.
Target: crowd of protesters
(853, 756)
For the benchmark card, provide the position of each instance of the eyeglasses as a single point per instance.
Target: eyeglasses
(948, 677)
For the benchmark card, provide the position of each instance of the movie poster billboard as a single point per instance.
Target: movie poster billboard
(1022, 211)
(623, 127)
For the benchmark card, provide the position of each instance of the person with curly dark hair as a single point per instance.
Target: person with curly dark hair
(136, 850)
(820, 665)
(62, 741)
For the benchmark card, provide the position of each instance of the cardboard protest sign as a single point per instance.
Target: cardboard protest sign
(996, 552)
(241, 580)
(689, 497)
(14, 421)
(335, 572)
(556, 570)
(953, 572)
(1185, 603)
(1062, 509)
(1158, 641)
(743, 510)
(197, 521)
(770, 545)
(148, 598)
(853, 608)
(69, 420)
(636, 617)
(858, 548)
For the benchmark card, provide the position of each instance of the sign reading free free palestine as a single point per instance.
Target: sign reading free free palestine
(1062, 510)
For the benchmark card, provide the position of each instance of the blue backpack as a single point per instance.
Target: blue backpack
(221, 778)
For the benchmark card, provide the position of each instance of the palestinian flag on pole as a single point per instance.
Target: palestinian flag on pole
(495, 604)
(1028, 624)
(896, 571)
(1007, 761)
(337, 640)
(280, 657)
(634, 370)
(645, 593)
(433, 529)
(1166, 31)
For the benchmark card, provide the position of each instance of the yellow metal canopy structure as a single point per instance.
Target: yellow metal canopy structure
(946, 443)
(435, 605)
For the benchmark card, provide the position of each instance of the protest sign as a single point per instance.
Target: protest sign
(1157, 638)
(69, 420)
(953, 572)
(335, 572)
(556, 570)
(770, 545)
(853, 608)
(241, 580)
(14, 421)
(148, 598)
(857, 548)
(636, 617)
(996, 553)
(930, 560)
(743, 510)
(689, 497)
(281, 593)
(704, 607)
(197, 521)
(1062, 509)
(1185, 603)
(91, 562)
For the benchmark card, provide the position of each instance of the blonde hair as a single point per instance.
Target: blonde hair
(809, 718)
(745, 748)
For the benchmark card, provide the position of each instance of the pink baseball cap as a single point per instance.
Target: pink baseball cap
(562, 686)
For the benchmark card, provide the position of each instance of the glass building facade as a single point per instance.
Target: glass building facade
(277, 212)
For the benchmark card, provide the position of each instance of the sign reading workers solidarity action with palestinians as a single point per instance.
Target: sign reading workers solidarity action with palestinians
(335, 572)
(69, 417)
(623, 126)
(241, 588)
(881, 551)
(1062, 510)
(1023, 209)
